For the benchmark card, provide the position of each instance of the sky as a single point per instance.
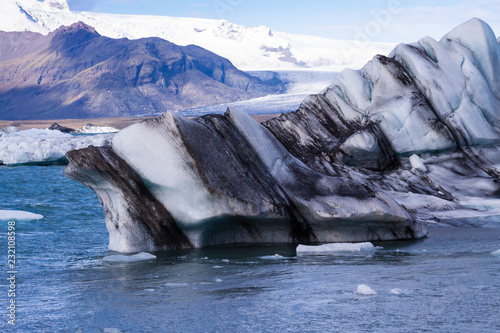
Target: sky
(377, 20)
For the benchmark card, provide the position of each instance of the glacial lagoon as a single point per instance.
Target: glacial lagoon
(447, 282)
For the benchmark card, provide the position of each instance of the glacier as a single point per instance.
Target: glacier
(408, 141)
(248, 48)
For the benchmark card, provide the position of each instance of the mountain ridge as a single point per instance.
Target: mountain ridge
(249, 48)
(74, 72)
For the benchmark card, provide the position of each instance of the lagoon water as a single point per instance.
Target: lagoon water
(448, 282)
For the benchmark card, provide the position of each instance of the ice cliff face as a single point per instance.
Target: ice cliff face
(343, 168)
(227, 180)
(425, 97)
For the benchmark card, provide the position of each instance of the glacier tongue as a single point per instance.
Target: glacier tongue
(342, 168)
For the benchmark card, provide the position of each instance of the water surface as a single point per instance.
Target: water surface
(448, 282)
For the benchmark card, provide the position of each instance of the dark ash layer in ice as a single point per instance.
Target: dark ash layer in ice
(337, 170)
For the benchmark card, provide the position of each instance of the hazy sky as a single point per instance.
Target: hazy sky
(377, 20)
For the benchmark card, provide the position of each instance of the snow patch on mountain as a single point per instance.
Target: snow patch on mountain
(249, 48)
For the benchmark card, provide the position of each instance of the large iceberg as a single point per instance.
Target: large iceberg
(337, 170)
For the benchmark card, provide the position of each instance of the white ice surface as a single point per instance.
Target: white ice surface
(42, 146)
(248, 48)
(396, 291)
(18, 215)
(93, 129)
(12, 18)
(365, 290)
(335, 248)
(496, 253)
(417, 163)
(142, 256)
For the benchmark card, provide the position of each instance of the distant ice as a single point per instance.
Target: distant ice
(143, 256)
(335, 248)
(496, 253)
(38, 146)
(112, 330)
(176, 284)
(217, 280)
(299, 85)
(396, 291)
(18, 215)
(365, 290)
(93, 129)
(273, 257)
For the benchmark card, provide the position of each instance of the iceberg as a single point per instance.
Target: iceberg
(379, 154)
(18, 215)
(39, 146)
(336, 248)
(365, 290)
(143, 256)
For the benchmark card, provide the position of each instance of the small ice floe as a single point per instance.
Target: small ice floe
(225, 260)
(335, 248)
(143, 256)
(417, 163)
(365, 290)
(217, 280)
(273, 257)
(111, 330)
(18, 215)
(496, 253)
(396, 291)
(176, 284)
(93, 129)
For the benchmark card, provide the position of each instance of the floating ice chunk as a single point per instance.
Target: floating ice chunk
(111, 330)
(143, 256)
(365, 290)
(335, 248)
(496, 253)
(217, 280)
(225, 260)
(396, 291)
(417, 163)
(176, 284)
(43, 146)
(93, 129)
(18, 215)
(273, 257)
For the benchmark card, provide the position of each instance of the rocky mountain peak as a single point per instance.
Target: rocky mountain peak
(57, 4)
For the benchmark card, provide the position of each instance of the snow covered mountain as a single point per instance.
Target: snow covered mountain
(248, 48)
(74, 72)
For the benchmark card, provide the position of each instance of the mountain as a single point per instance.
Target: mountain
(248, 48)
(74, 72)
(409, 141)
